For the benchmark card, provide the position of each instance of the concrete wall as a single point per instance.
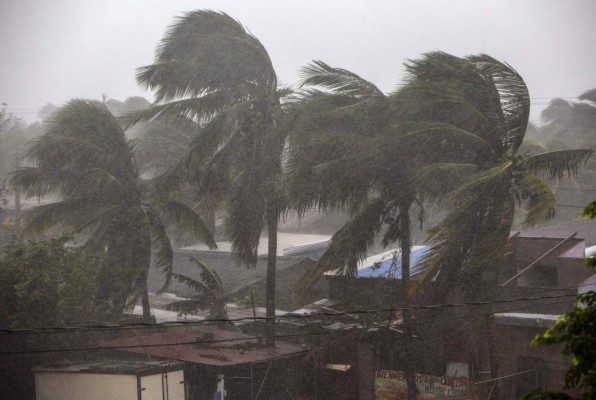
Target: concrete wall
(78, 386)
(85, 386)
(514, 345)
(563, 268)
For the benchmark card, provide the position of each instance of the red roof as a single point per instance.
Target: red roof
(204, 345)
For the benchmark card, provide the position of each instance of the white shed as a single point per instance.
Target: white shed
(112, 380)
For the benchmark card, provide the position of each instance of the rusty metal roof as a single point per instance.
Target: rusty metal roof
(116, 366)
(204, 345)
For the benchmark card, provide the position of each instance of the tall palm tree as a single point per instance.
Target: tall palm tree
(211, 73)
(349, 150)
(474, 111)
(84, 156)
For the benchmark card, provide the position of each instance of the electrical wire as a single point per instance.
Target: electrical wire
(221, 321)
(195, 342)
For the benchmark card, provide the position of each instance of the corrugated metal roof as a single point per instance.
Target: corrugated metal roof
(585, 228)
(204, 345)
(287, 244)
(388, 264)
(120, 367)
(526, 319)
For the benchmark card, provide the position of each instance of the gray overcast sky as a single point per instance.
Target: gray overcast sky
(52, 51)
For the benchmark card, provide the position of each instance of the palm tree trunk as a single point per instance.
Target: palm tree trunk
(493, 357)
(145, 302)
(272, 221)
(405, 229)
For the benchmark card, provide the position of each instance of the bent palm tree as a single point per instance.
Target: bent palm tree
(85, 157)
(348, 150)
(475, 111)
(211, 73)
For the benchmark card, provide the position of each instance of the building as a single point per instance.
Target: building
(112, 379)
(295, 256)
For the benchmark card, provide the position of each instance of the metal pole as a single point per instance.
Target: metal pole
(523, 271)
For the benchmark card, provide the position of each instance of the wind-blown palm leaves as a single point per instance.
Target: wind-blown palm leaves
(349, 151)
(85, 157)
(210, 293)
(474, 112)
(211, 73)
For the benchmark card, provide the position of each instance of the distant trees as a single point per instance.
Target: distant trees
(12, 142)
(84, 156)
(567, 125)
(210, 73)
(48, 283)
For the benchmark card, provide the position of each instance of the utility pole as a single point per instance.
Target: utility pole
(406, 250)
(17, 200)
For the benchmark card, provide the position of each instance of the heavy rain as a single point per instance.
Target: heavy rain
(297, 200)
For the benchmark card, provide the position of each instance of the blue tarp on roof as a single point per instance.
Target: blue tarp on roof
(381, 268)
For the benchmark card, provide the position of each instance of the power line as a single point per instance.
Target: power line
(302, 334)
(221, 321)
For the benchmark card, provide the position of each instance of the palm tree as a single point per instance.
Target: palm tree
(349, 150)
(210, 293)
(84, 156)
(211, 73)
(474, 110)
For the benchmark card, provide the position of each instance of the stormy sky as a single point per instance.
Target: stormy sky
(52, 51)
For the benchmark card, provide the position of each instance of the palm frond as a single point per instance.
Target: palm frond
(490, 180)
(589, 95)
(188, 221)
(441, 131)
(436, 180)
(161, 246)
(513, 98)
(245, 219)
(198, 48)
(185, 112)
(556, 164)
(210, 291)
(67, 213)
(537, 199)
(348, 245)
(337, 80)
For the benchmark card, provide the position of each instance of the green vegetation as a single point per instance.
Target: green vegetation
(210, 293)
(84, 156)
(49, 283)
